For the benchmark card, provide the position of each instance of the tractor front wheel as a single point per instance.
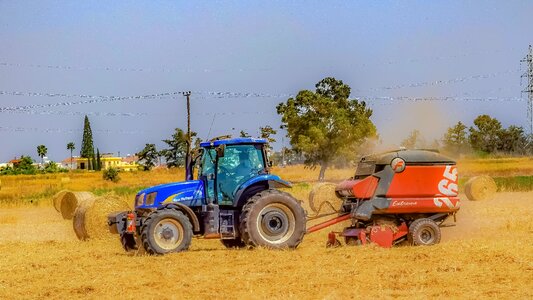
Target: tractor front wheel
(424, 232)
(272, 219)
(165, 231)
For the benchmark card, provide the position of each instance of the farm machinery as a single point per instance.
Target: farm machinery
(235, 199)
(397, 196)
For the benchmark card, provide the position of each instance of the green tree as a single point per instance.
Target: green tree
(87, 147)
(111, 174)
(325, 125)
(41, 151)
(24, 166)
(71, 146)
(244, 134)
(455, 139)
(513, 140)
(266, 133)
(485, 134)
(177, 148)
(98, 160)
(148, 156)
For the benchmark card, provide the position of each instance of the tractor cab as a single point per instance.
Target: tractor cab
(225, 165)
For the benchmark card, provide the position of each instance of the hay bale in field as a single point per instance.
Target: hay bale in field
(70, 202)
(90, 218)
(322, 198)
(480, 188)
(58, 198)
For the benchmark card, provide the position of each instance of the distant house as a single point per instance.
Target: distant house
(129, 163)
(12, 163)
(68, 164)
(107, 161)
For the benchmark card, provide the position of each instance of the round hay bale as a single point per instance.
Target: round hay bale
(58, 198)
(480, 188)
(70, 202)
(90, 219)
(78, 220)
(323, 199)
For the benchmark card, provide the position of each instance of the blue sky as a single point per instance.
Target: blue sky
(382, 49)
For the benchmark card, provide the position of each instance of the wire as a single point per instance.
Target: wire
(129, 69)
(127, 114)
(67, 131)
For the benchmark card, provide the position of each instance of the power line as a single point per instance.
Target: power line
(66, 131)
(130, 69)
(127, 114)
(91, 99)
(442, 82)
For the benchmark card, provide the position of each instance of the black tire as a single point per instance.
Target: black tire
(233, 243)
(132, 244)
(272, 219)
(128, 242)
(165, 231)
(424, 232)
(351, 241)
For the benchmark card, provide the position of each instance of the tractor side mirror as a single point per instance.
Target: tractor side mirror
(220, 150)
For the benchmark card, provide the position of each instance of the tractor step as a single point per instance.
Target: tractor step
(228, 224)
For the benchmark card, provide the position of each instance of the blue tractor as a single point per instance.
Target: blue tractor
(234, 199)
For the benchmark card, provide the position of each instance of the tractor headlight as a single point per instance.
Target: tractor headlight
(150, 198)
(139, 200)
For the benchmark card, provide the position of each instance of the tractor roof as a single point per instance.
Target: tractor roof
(235, 141)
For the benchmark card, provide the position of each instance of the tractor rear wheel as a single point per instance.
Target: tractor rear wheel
(272, 219)
(424, 232)
(233, 243)
(165, 231)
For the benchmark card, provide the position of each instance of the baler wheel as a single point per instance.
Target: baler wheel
(165, 231)
(233, 243)
(424, 232)
(352, 241)
(272, 219)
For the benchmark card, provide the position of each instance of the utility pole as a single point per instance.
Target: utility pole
(188, 173)
(528, 60)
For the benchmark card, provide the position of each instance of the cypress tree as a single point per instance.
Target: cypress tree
(98, 160)
(94, 164)
(87, 147)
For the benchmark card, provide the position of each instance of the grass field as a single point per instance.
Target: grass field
(487, 255)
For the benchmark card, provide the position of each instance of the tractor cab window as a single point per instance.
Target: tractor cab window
(239, 163)
(207, 169)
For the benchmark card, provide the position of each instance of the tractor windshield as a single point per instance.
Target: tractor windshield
(239, 163)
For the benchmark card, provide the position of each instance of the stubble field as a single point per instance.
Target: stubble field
(488, 254)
